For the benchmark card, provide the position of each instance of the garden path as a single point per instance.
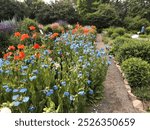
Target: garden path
(116, 99)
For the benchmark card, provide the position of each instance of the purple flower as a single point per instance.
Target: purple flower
(50, 92)
(55, 87)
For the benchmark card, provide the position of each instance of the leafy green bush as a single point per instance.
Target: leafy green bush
(120, 31)
(136, 48)
(117, 43)
(114, 35)
(137, 72)
(25, 24)
(148, 30)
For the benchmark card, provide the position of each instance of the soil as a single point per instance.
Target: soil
(116, 99)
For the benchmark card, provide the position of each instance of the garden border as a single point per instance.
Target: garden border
(137, 104)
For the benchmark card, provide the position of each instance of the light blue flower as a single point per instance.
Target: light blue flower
(24, 67)
(7, 72)
(63, 83)
(33, 78)
(15, 90)
(1, 62)
(5, 86)
(15, 97)
(66, 94)
(7, 62)
(44, 66)
(8, 90)
(25, 99)
(98, 54)
(80, 75)
(50, 92)
(91, 92)
(89, 82)
(16, 103)
(31, 108)
(23, 74)
(1, 71)
(82, 93)
(72, 98)
(46, 52)
(23, 90)
(55, 87)
(32, 57)
(35, 71)
(109, 62)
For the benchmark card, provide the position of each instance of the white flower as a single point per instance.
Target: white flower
(56, 65)
(5, 110)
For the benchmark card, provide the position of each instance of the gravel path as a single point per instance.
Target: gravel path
(116, 99)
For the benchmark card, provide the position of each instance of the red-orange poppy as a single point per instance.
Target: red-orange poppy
(54, 35)
(32, 28)
(7, 55)
(36, 46)
(17, 34)
(21, 55)
(16, 57)
(85, 30)
(21, 46)
(11, 48)
(24, 36)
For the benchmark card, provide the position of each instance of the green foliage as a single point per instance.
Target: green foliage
(137, 72)
(120, 31)
(135, 23)
(25, 24)
(118, 42)
(10, 8)
(136, 48)
(57, 11)
(148, 30)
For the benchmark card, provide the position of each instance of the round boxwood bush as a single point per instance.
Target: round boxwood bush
(139, 49)
(137, 72)
(120, 31)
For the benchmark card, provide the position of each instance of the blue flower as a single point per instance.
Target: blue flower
(55, 87)
(15, 97)
(66, 94)
(33, 78)
(35, 71)
(23, 74)
(1, 71)
(98, 54)
(24, 67)
(46, 52)
(110, 56)
(50, 92)
(44, 66)
(23, 90)
(91, 92)
(25, 99)
(32, 57)
(63, 83)
(89, 82)
(5, 86)
(7, 62)
(80, 75)
(1, 62)
(82, 93)
(23, 81)
(71, 98)
(8, 90)
(16, 103)
(7, 71)
(31, 108)
(15, 90)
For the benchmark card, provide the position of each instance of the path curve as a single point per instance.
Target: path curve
(116, 99)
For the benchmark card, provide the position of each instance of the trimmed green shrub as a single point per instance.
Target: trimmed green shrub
(118, 42)
(137, 72)
(120, 31)
(139, 49)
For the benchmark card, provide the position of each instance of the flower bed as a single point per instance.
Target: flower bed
(62, 73)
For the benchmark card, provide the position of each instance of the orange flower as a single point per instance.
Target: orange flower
(85, 30)
(24, 36)
(37, 55)
(36, 46)
(16, 57)
(32, 28)
(43, 46)
(17, 34)
(74, 31)
(34, 35)
(11, 48)
(54, 35)
(21, 46)
(21, 55)
(7, 55)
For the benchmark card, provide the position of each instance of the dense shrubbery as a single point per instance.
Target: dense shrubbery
(140, 49)
(137, 72)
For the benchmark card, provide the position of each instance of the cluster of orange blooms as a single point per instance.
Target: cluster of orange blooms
(84, 30)
(54, 35)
